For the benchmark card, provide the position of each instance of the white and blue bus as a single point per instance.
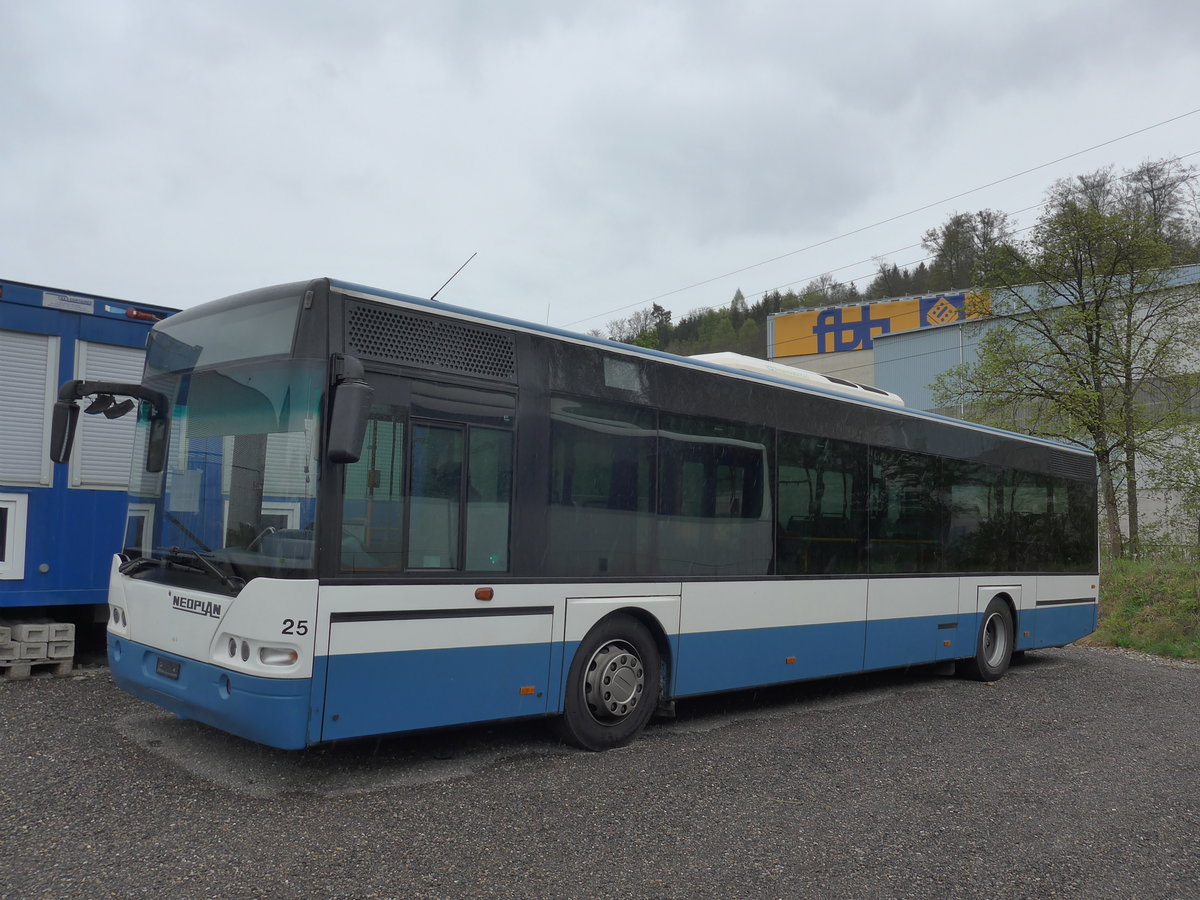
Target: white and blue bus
(355, 512)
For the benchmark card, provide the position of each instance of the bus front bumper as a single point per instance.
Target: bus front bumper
(271, 711)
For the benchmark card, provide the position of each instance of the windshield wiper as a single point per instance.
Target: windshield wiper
(188, 533)
(183, 556)
(132, 566)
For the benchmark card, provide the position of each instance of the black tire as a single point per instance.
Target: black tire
(994, 646)
(612, 687)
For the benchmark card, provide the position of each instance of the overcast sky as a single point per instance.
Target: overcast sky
(595, 155)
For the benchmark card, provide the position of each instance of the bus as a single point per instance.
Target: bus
(354, 512)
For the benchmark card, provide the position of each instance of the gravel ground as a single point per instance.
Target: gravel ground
(1077, 775)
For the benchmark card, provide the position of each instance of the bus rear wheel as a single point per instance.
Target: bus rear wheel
(612, 687)
(994, 647)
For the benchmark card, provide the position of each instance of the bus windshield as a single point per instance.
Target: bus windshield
(237, 496)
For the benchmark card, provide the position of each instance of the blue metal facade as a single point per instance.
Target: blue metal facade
(70, 533)
(908, 363)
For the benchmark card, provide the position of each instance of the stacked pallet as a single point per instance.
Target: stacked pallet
(38, 643)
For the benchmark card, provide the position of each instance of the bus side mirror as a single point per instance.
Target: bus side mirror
(65, 416)
(62, 429)
(348, 416)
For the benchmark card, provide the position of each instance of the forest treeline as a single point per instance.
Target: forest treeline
(960, 252)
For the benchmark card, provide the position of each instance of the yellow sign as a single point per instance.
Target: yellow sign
(856, 327)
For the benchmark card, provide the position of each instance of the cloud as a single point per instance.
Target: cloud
(594, 155)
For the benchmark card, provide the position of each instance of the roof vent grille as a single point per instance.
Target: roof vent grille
(1071, 465)
(397, 336)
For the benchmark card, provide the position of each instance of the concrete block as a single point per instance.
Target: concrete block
(9, 651)
(60, 649)
(30, 632)
(32, 649)
(5, 633)
(57, 631)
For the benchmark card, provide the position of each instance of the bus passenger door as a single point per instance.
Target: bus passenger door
(416, 640)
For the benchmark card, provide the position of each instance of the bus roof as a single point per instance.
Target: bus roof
(793, 384)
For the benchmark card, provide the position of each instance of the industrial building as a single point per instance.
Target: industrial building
(900, 344)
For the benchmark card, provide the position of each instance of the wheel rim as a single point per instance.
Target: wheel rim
(614, 682)
(995, 640)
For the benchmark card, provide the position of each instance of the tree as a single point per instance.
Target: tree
(919, 283)
(1090, 343)
(737, 310)
(661, 319)
(889, 281)
(963, 247)
(750, 340)
(1180, 480)
(827, 291)
(631, 329)
(1165, 190)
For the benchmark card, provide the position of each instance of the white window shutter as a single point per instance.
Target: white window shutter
(105, 446)
(28, 370)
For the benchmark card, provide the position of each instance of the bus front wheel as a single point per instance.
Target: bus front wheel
(612, 687)
(994, 647)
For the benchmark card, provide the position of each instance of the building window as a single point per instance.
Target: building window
(138, 529)
(14, 508)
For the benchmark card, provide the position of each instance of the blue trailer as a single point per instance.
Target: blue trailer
(60, 525)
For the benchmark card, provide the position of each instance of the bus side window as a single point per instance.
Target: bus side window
(906, 512)
(373, 499)
(436, 497)
(821, 526)
(489, 496)
(600, 518)
(450, 500)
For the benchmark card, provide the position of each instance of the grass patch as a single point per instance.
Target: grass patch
(1150, 605)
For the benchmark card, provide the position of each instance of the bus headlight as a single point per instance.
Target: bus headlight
(248, 655)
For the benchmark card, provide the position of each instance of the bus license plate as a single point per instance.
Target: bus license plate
(167, 668)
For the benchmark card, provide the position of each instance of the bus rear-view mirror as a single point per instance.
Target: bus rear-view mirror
(348, 420)
(62, 429)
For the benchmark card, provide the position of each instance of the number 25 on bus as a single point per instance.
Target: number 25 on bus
(354, 512)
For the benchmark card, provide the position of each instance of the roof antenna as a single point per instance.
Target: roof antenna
(451, 278)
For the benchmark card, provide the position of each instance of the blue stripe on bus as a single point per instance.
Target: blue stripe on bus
(906, 642)
(376, 693)
(271, 711)
(726, 660)
(1053, 626)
